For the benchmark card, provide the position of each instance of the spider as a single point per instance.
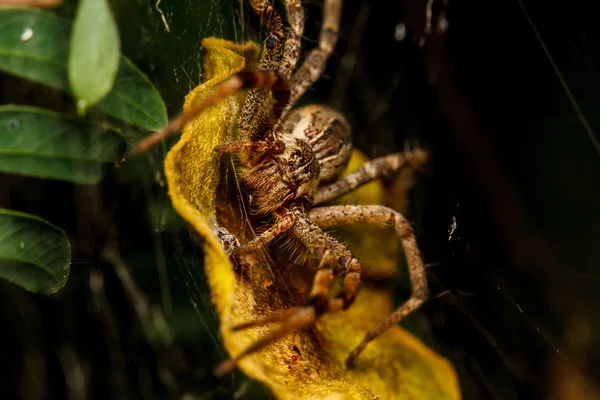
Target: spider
(293, 163)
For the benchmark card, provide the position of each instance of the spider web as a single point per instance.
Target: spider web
(506, 218)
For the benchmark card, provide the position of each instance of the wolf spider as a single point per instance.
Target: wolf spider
(293, 163)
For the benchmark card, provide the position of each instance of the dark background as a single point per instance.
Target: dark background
(514, 289)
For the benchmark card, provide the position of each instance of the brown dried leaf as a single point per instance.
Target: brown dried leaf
(309, 363)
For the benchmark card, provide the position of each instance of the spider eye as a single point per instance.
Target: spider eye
(291, 163)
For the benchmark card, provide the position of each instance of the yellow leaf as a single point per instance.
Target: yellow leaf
(308, 363)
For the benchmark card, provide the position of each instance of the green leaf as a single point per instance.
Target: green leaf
(134, 99)
(34, 45)
(33, 253)
(37, 142)
(93, 54)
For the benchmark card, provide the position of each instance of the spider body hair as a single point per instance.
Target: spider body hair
(274, 181)
(314, 147)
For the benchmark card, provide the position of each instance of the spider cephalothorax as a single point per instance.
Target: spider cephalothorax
(287, 168)
(288, 173)
(293, 164)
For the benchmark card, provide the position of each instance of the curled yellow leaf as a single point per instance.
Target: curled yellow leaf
(309, 363)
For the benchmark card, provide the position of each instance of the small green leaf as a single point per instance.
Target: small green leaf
(93, 54)
(34, 45)
(33, 253)
(37, 142)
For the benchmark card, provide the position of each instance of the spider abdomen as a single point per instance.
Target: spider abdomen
(327, 132)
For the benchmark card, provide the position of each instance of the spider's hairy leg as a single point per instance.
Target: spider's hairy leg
(315, 62)
(321, 286)
(345, 215)
(277, 316)
(291, 48)
(377, 168)
(242, 80)
(299, 319)
(282, 224)
(270, 58)
(274, 43)
(333, 257)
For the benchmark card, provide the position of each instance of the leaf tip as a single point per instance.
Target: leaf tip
(82, 107)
